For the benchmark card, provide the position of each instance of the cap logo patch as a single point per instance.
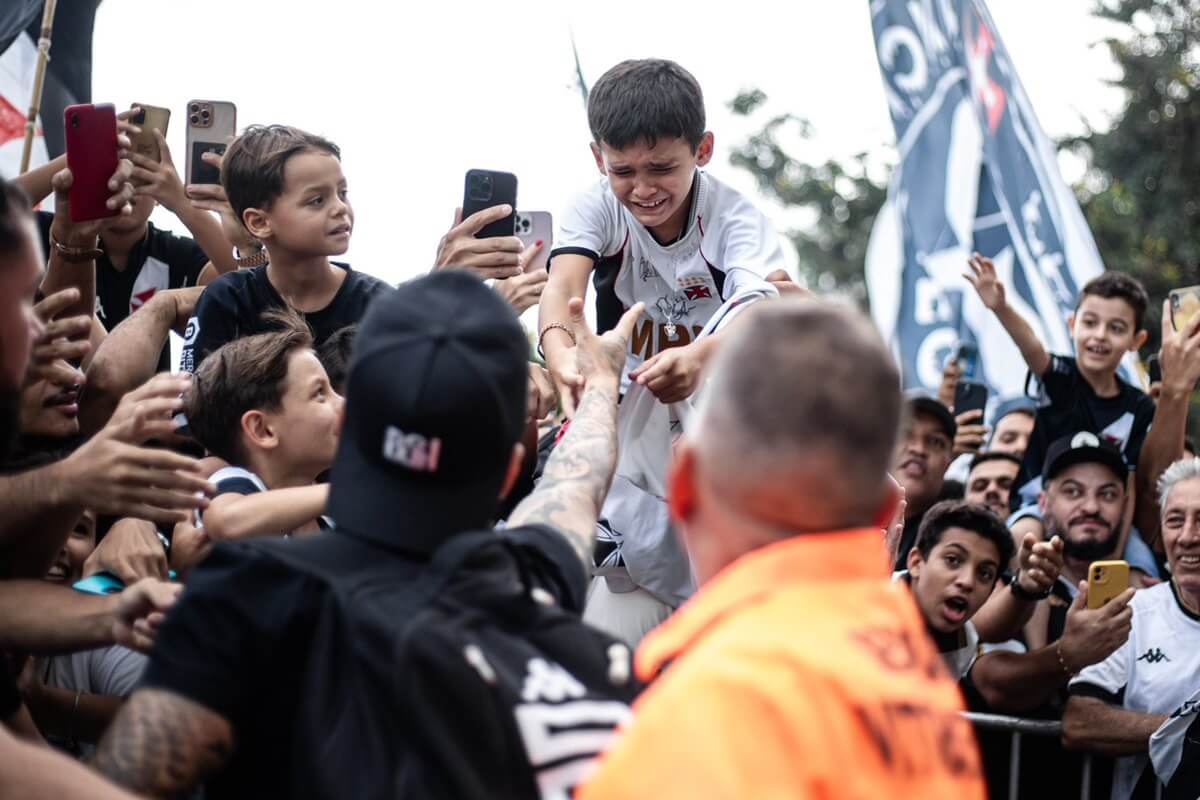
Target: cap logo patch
(1084, 439)
(411, 450)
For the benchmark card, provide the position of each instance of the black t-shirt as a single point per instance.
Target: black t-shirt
(160, 261)
(237, 638)
(1068, 405)
(232, 307)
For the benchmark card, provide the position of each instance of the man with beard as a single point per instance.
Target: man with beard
(1082, 501)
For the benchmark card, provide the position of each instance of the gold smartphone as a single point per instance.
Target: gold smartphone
(1185, 306)
(1106, 580)
(148, 119)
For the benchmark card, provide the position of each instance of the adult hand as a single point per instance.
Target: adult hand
(131, 550)
(1040, 563)
(139, 610)
(212, 197)
(600, 358)
(1092, 635)
(83, 234)
(950, 375)
(1179, 356)
(525, 290)
(494, 257)
(61, 341)
(970, 434)
(894, 532)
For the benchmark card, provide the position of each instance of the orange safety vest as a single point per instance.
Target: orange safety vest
(800, 671)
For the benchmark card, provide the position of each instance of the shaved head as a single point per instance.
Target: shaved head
(798, 423)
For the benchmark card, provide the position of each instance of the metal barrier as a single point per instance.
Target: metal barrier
(1019, 727)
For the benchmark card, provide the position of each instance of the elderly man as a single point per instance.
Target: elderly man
(1117, 704)
(797, 656)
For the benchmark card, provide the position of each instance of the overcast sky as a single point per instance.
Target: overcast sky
(416, 101)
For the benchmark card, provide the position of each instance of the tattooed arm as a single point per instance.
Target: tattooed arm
(163, 745)
(577, 476)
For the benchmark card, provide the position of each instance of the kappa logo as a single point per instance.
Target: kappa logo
(1153, 656)
(411, 450)
(549, 682)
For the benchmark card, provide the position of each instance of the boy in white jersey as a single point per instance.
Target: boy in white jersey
(658, 230)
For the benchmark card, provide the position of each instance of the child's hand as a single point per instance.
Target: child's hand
(983, 277)
(1179, 357)
(159, 179)
(495, 257)
(673, 374)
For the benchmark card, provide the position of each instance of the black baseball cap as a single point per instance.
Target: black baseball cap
(1084, 447)
(921, 400)
(435, 400)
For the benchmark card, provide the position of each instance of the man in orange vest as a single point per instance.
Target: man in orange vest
(798, 670)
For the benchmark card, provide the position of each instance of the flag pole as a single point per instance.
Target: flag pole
(39, 79)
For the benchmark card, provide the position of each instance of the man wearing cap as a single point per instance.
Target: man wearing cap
(1012, 425)
(435, 408)
(920, 460)
(1082, 502)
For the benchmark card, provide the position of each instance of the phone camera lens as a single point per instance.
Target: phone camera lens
(193, 119)
(194, 107)
(74, 121)
(205, 114)
(139, 117)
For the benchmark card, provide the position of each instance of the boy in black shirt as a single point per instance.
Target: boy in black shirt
(287, 188)
(263, 404)
(1083, 393)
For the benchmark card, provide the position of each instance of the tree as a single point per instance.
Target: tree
(840, 199)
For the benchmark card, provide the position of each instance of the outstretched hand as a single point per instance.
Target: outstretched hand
(987, 284)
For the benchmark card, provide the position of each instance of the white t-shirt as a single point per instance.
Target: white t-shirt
(1155, 671)
(112, 671)
(726, 251)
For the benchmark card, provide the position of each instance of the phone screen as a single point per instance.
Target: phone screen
(1185, 306)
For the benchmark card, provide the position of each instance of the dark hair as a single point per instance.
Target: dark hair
(1120, 285)
(334, 355)
(14, 214)
(252, 171)
(968, 516)
(985, 457)
(243, 375)
(641, 100)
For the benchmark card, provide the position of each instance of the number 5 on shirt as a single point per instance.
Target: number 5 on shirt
(1106, 580)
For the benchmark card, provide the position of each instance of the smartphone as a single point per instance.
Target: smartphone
(1106, 580)
(1185, 306)
(1154, 369)
(970, 396)
(211, 125)
(535, 226)
(149, 118)
(486, 188)
(91, 134)
(100, 583)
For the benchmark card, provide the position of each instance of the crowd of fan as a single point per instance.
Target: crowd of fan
(362, 542)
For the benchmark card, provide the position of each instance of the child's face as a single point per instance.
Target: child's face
(68, 566)
(312, 216)
(1104, 330)
(310, 415)
(654, 182)
(956, 580)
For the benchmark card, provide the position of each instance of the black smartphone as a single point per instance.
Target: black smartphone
(970, 396)
(1154, 368)
(486, 188)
